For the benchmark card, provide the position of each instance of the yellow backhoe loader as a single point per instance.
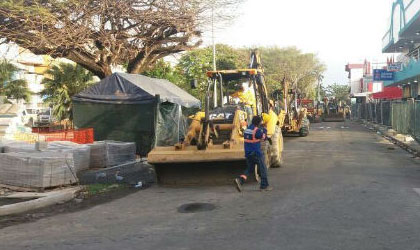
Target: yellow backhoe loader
(296, 121)
(213, 149)
(334, 112)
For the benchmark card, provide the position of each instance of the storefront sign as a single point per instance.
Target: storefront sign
(382, 75)
(395, 67)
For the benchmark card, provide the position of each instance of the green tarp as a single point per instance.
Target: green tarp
(134, 108)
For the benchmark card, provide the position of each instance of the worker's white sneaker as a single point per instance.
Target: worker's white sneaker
(238, 184)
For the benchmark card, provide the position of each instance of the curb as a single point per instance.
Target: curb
(45, 200)
(412, 147)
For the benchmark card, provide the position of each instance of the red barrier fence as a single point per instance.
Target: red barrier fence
(81, 136)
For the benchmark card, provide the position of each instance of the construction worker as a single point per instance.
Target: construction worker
(270, 120)
(247, 99)
(253, 136)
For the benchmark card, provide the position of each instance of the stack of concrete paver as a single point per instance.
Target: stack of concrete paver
(105, 154)
(36, 169)
(79, 153)
(98, 155)
(58, 162)
(22, 165)
(120, 152)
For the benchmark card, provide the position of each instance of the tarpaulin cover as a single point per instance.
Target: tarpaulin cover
(119, 122)
(125, 88)
(134, 108)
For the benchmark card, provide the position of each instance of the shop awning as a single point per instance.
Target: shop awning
(389, 93)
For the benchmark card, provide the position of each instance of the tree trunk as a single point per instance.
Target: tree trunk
(100, 69)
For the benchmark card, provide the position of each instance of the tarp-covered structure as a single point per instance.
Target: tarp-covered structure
(135, 108)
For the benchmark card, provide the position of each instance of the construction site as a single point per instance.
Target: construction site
(209, 124)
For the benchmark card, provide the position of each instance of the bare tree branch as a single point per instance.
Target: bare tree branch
(98, 34)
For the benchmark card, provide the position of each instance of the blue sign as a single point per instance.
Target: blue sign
(382, 75)
(395, 67)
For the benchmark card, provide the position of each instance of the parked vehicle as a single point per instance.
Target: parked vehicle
(36, 117)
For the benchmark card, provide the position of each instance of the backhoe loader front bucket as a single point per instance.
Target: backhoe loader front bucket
(165, 155)
(217, 165)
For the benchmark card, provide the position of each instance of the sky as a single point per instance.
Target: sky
(338, 31)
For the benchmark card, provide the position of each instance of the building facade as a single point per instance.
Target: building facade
(32, 68)
(361, 80)
(402, 37)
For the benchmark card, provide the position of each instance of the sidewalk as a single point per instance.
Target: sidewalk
(406, 142)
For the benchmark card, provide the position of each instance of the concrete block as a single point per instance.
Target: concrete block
(128, 173)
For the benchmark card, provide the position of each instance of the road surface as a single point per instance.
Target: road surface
(342, 187)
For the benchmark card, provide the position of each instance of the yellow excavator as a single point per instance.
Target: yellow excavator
(213, 149)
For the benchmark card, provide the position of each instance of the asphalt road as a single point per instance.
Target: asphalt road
(342, 187)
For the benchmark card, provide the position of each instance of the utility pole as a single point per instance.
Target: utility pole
(214, 56)
(318, 94)
(212, 37)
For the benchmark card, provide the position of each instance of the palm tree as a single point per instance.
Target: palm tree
(10, 87)
(65, 81)
(17, 89)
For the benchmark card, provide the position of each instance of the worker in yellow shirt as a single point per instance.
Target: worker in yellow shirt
(270, 120)
(246, 98)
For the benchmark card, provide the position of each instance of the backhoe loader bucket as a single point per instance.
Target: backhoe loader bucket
(169, 155)
(334, 118)
(218, 164)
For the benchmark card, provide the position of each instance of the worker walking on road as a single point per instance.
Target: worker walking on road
(253, 136)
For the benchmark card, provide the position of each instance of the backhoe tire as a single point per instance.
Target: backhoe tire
(304, 131)
(276, 151)
(266, 148)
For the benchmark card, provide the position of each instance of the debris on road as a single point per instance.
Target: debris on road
(37, 200)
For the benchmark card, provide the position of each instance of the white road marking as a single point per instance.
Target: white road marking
(417, 190)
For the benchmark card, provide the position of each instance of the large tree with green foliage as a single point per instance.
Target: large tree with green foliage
(164, 70)
(302, 70)
(98, 34)
(66, 81)
(11, 87)
(193, 65)
(338, 91)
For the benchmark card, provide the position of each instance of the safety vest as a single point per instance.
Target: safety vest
(249, 136)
